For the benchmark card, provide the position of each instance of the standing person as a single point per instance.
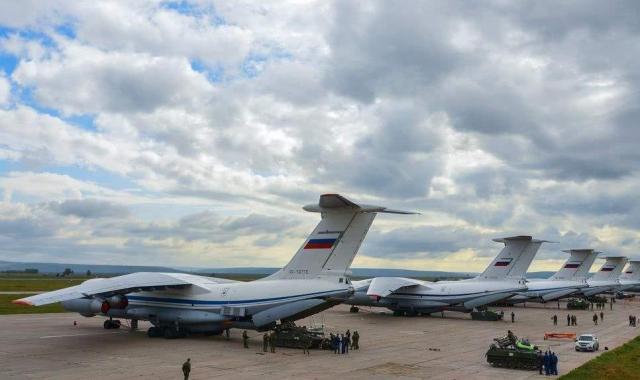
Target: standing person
(348, 334)
(356, 338)
(568, 320)
(343, 343)
(555, 320)
(554, 364)
(226, 334)
(539, 361)
(595, 319)
(513, 317)
(547, 363)
(272, 342)
(335, 344)
(265, 342)
(601, 317)
(339, 347)
(186, 368)
(306, 344)
(245, 339)
(347, 343)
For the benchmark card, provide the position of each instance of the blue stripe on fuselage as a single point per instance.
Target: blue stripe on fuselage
(224, 303)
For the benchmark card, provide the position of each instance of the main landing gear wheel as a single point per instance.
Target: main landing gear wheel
(154, 332)
(111, 324)
(173, 333)
(354, 309)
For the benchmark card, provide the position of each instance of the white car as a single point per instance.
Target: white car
(587, 342)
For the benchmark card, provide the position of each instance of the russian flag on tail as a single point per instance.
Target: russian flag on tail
(320, 243)
(504, 262)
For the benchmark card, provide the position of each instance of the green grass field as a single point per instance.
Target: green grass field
(6, 307)
(17, 284)
(620, 363)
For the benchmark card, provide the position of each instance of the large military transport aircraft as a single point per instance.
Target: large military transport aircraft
(177, 304)
(503, 278)
(606, 279)
(571, 277)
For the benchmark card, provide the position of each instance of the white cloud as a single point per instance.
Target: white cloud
(5, 91)
(491, 120)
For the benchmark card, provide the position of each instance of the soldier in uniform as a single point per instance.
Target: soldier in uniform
(555, 320)
(306, 344)
(265, 342)
(595, 319)
(245, 339)
(356, 338)
(601, 316)
(186, 368)
(568, 320)
(513, 317)
(272, 342)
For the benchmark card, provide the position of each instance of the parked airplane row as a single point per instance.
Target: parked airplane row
(317, 278)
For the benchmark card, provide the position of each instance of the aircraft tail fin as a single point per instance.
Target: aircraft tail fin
(333, 244)
(611, 269)
(632, 272)
(577, 265)
(514, 259)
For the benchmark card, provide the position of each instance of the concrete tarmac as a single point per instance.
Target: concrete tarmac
(49, 346)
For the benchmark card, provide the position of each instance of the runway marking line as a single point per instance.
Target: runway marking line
(69, 335)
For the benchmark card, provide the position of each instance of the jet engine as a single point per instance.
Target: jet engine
(85, 306)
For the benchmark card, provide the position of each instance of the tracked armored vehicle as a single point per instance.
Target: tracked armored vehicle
(509, 352)
(289, 335)
(577, 304)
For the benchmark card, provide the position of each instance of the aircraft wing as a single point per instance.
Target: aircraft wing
(134, 282)
(383, 286)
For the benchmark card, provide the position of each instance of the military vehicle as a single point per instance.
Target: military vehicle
(512, 353)
(289, 335)
(597, 299)
(486, 315)
(577, 304)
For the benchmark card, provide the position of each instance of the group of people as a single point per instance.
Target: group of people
(341, 343)
(595, 318)
(268, 342)
(572, 320)
(633, 320)
(548, 362)
(599, 305)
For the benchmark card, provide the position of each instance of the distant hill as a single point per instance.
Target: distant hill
(53, 268)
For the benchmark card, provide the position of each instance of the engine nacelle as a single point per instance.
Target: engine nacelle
(117, 302)
(85, 306)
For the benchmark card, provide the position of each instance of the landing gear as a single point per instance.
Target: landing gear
(170, 332)
(354, 309)
(154, 332)
(111, 324)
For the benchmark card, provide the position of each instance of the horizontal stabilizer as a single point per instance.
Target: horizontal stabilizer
(338, 203)
(383, 286)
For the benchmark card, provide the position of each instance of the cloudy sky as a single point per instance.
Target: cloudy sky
(190, 133)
